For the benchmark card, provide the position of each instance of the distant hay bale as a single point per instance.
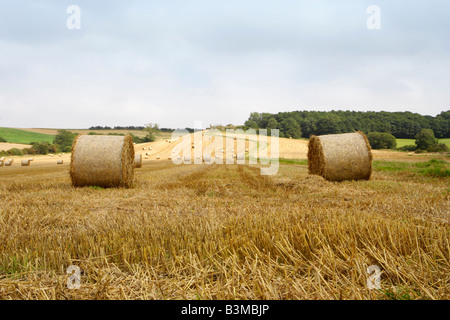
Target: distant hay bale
(2, 159)
(338, 157)
(26, 163)
(240, 157)
(60, 161)
(2, 163)
(8, 163)
(31, 159)
(138, 160)
(146, 157)
(104, 161)
(207, 158)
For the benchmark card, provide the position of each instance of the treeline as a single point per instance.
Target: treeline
(116, 128)
(402, 125)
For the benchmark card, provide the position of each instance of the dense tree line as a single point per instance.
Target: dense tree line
(117, 128)
(402, 125)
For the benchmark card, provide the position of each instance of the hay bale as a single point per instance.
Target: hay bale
(338, 157)
(158, 157)
(146, 157)
(60, 161)
(138, 160)
(104, 161)
(2, 163)
(25, 163)
(8, 163)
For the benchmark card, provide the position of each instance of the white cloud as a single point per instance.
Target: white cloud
(175, 62)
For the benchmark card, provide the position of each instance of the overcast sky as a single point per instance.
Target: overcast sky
(176, 62)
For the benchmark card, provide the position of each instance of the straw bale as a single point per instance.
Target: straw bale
(338, 157)
(138, 160)
(104, 161)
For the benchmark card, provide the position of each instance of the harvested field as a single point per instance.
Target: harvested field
(223, 232)
(4, 146)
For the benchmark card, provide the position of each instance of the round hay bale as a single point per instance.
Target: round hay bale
(338, 157)
(25, 163)
(60, 161)
(8, 163)
(138, 160)
(240, 157)
(104, 161)
(2, 163)
(158, 157)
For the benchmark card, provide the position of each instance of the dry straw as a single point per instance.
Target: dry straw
(138, 160)
(338, 157)
(26, 163)
(104, 161)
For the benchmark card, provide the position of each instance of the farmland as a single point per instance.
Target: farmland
(405, 142)
(25, 137)
(226, 231)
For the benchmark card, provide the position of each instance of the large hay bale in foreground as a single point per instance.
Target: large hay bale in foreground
(138, 161)
(338, 157)
(104, 161)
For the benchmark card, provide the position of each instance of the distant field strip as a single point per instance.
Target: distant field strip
(25, 137)
(406, 142)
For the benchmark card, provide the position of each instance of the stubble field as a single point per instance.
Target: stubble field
(224, 232)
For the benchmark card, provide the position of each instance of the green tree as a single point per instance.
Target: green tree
(327, 125)
(2, 140)
(291, 128)
(272, 123)
(381, 140)
(64, 139)
(426, 139)
(151, 130)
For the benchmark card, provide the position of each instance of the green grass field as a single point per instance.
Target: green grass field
(25, 137)
(405, 142)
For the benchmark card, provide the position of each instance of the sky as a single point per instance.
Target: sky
(176, 63)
